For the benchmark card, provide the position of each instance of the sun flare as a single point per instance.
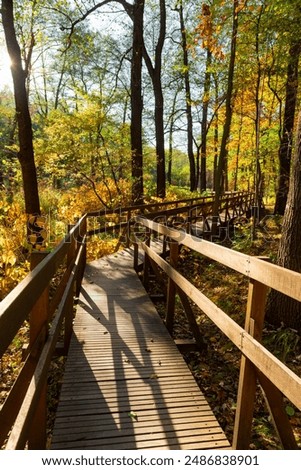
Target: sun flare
(5, 65)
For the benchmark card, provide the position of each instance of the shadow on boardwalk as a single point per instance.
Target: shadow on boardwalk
(126, 386)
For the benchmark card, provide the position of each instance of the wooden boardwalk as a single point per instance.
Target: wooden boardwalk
(126, 385)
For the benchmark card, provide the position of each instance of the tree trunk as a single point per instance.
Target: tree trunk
(280, 308)
(258, 103)
(285, 148)
(137, 103)
(26, 152)
(159, 125)
(235, 184)
(216, 133)
(155, 75)
(220, 177)
(193, 176)
(171, 130)
(203, 178)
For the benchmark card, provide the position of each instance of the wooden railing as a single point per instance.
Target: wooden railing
(45, 299)
(257, 362)
(183, 212)
(23, 414)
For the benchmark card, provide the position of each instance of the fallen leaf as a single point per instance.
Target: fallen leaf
(133, 416)
(289, 410)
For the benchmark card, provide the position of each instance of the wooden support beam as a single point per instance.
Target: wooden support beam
(39, 326)
(186, 345)
(136, 257)
(274, 401)
(247, 378)
(171, 288)
(69, 316)
(158, 276)
(191, 320)
(146, 264)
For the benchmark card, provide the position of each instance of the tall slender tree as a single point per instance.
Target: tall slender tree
(280, 308)
(221, 165)
(26, 151)
(155, 72)
(188, 99)
(285, 148)
(137, 102)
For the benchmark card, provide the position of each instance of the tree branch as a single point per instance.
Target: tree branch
(127, 7)
(94, 189)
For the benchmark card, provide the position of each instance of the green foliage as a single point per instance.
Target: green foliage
(283, 341)
(83, 142)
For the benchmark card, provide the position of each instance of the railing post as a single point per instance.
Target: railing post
(68, 324)
(146, 264)
(136, 256)
(82, 240)
(38, 321)
(72, 248)
(247, 378)
(128, 230)
(171, 287)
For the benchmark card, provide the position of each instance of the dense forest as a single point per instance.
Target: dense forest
(116, 102)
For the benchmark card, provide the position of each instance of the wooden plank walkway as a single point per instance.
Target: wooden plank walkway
(126, 385)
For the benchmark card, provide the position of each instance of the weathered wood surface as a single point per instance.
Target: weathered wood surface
(126, 385)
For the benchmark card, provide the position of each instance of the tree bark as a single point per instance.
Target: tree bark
(216, 132)
(280, 308)
(137, 103)
(155, 72)
(258, 102)
(171, 130)
(26, 152)
(285, 148)
(192, 168)
(203, 176)
(220, 177)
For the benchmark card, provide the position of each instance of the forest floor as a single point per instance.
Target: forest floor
(216, 370)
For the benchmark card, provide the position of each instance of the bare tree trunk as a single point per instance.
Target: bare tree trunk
(220, 177)
(280, 308)
(285, 148)
(258, 102)
(26, 152)
(137, 103)
(155, 74)
(171, 130)
(238, 152)
(193, 175)
(203, 178)
(216, 134)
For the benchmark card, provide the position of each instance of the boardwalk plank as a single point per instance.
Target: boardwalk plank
(126, 386)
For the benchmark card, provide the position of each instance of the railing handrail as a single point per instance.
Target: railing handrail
(275, 377)
(16, 307)
(19, 302)
(189, 205)
(277, 277)
(139, 207)
(150, 205)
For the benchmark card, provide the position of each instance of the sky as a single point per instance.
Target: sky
(5, 73)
